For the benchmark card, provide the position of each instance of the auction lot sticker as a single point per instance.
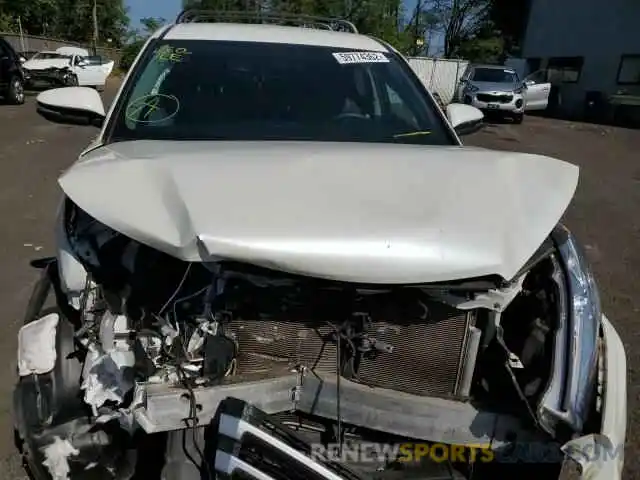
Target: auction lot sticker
(360, 57)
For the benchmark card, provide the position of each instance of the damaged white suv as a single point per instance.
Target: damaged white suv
(277, 261)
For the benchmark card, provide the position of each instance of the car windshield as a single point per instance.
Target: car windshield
(49, 56)
(206, 90)
(494, 75)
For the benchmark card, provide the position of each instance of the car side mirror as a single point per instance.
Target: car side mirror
(528, 83)
(464, 119)
(22, 59)
(72, 105)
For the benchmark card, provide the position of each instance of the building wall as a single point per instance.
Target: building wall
(600, 31)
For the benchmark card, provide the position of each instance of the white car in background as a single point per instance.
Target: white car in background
(67, 66)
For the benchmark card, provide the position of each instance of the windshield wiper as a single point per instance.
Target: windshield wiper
(413, 134)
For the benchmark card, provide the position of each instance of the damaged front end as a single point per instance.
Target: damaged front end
(144, 352)
(54, 76)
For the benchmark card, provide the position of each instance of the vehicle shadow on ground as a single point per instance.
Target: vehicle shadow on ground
(497, 120)
(35, 91)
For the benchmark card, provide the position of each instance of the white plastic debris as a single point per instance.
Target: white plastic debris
(37, 248)
(124, 418)
(37, 346)
(104, 378)
(195, 344)
(57, 458)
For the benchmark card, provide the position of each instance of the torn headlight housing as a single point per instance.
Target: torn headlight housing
(570, 394)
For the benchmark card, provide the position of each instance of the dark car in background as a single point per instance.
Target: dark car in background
(11, 75)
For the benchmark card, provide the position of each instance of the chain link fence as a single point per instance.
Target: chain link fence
(439, 75)
(32, 43)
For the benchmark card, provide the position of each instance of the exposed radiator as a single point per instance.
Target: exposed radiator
(427, 356)
(271, 345)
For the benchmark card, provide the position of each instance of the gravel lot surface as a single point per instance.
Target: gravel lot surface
(605, 217)
(605, 214)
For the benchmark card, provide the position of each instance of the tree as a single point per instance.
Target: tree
(481, 30)
(37, 16)
(418, 30)
(7, 23)
(510, 19)
(151, 24)
(68, 19)
(460, 21)
(381, 18)
(137, 39)
(475, 28)
(482, 48)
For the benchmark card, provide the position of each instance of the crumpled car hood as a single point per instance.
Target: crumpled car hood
(45, 63)
(370, 213)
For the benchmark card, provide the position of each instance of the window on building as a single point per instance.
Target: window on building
(534, 64)
(629, 70)
(537, 77)
(565, 69)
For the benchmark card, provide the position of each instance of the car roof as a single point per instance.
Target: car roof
(265, 33)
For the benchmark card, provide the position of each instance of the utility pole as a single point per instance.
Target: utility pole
(95, 27)
(416, 27)
(24, 49)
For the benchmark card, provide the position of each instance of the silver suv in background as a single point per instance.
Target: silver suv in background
(498, 90)
(494, 89)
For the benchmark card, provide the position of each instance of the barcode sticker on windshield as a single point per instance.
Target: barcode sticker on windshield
(360, 57)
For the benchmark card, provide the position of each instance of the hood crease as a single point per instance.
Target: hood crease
(366, 213)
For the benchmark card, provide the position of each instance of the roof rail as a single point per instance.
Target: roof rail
(194, 15)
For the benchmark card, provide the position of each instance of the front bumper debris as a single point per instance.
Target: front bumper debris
(159, 408)
(498, 103)
(251, 445)
(56, 76)
(244, 442)
(601, 456)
